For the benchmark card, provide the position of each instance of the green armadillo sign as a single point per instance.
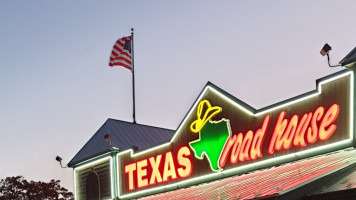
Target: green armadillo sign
(222, 136)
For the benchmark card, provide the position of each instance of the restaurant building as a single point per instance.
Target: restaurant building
(300, 148)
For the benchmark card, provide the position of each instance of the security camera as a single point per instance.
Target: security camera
(325, 50)
(59, 159)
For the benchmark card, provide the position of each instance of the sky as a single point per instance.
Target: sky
(56, 88)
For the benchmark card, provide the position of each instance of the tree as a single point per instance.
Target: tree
(18, 188)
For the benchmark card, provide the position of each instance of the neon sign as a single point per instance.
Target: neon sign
(222, 136)
(244, 147)
(285, 134)
(149, 171)
(249, 146)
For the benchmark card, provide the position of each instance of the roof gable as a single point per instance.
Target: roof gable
(349, 59)
(124, 135)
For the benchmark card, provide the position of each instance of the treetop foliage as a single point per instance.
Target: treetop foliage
(18, 188)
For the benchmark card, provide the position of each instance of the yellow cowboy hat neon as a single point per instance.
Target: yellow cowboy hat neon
(210, 112)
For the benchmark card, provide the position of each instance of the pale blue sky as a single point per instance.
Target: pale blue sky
(56, 88)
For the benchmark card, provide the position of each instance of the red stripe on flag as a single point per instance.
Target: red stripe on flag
(122, 51)
(119, 44)
(120, 64)
(121, 58)
(119, 55)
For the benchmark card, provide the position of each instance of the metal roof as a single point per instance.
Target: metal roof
(290, 181)
(344, 181)
(349, 58)
(124, 135)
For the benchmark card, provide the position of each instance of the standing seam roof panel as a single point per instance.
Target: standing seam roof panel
(124, 135)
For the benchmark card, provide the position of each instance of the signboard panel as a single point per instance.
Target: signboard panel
(222, 136)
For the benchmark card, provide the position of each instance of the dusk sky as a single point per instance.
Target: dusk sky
(56, 88)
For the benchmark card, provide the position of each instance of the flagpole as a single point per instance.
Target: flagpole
(133, 75)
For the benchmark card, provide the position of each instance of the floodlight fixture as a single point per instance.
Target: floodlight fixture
(134, 148)
(107, 138)
(59, 159)
(325, 51)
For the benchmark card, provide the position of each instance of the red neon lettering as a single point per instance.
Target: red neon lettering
(330, 116)
(256, 148)
(142, 173)
(246, 147)
(227, 148)
(289, 133)
(316, 117)
(169, 169)
(186, 165)
(149, 171)
(277, 133)
(302, 127)
(321, 126)
(130, 168)
(155, 175)
(236, 148)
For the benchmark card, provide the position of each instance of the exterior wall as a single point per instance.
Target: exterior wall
(103, 170)
(114, 180)
(135, 170)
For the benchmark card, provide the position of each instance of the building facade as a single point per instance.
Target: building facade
(300, 148)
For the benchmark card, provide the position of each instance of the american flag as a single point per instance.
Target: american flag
(121, 53)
